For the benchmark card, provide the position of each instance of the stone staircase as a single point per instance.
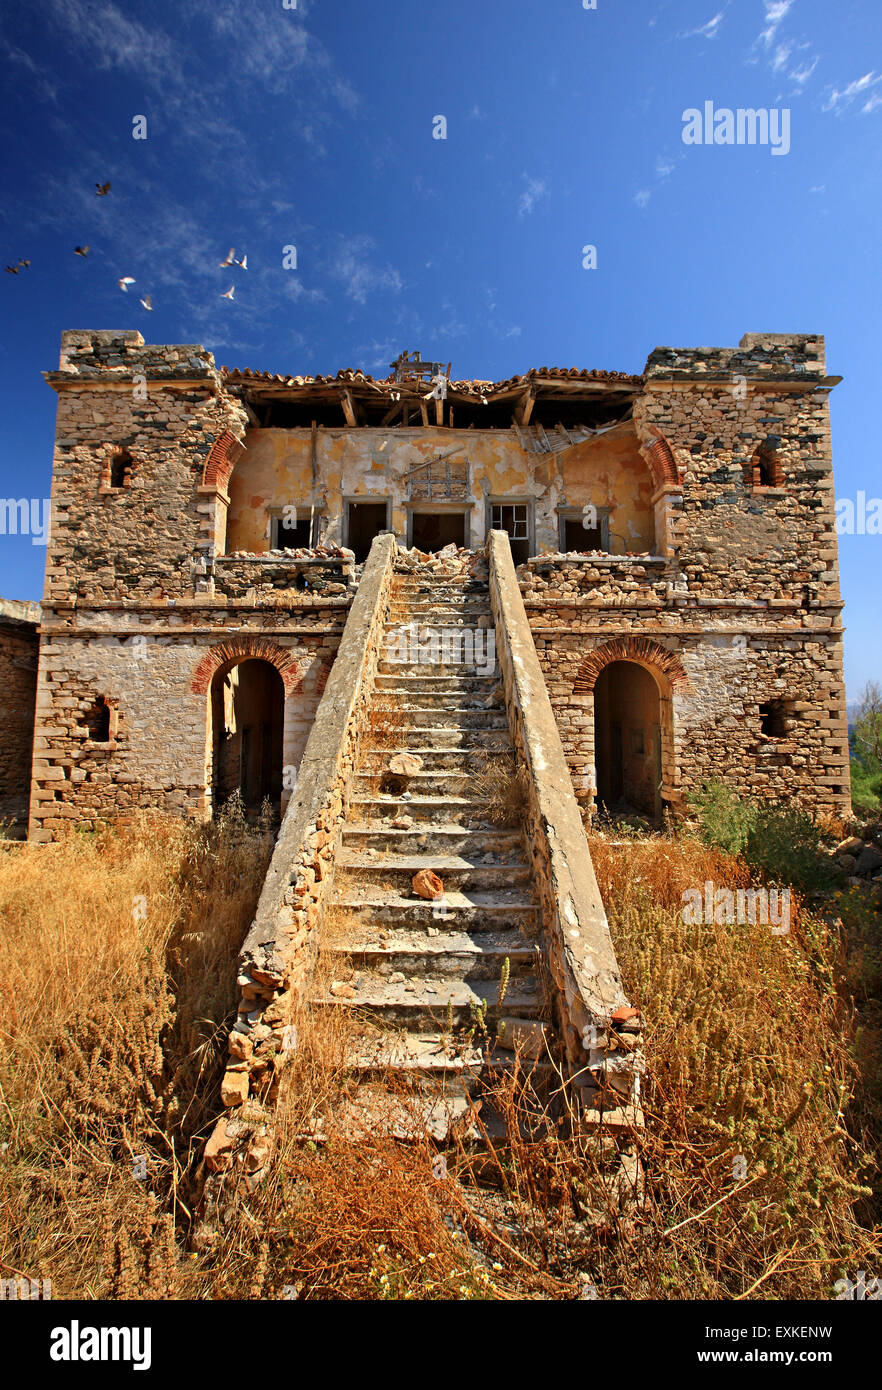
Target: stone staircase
(421, 980)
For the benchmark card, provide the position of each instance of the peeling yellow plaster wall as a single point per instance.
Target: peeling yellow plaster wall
(611, 473)
(276, 471)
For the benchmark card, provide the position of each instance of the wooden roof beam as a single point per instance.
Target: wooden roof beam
(524, 407)
(394, 409)
(349, 410)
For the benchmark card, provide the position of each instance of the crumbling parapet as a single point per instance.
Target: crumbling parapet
(600, 1029)
(280, 950)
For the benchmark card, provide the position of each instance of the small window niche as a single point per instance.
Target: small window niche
(764, 469)
(117, 472)
(776, 718)
(101, 720)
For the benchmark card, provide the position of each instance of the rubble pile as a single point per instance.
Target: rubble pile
(317, 552)
(452, 562)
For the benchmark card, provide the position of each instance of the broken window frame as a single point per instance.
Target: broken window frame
(502, 504)
(108, 709)
(120, 465)
(776, 717)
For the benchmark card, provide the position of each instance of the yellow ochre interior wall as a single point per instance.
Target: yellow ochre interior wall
(276, 470)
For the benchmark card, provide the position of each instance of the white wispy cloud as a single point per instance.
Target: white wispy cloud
(708, 30)
(801, 75)
(43, 83)
(354, 265)
(781, 56)
(838, 100)
(111, 39)
(642, 197)
(535, 191)
(785, 56)
(776, 12)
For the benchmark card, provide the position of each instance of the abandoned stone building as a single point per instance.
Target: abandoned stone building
(673, 532)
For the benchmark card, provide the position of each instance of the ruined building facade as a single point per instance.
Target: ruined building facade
(674, 533)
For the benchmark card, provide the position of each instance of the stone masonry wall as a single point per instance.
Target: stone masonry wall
(18, 674)
(157, 681)
(166, 408)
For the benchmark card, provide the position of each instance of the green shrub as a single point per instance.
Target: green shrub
(866, 788)
(724, 819)
(782, 843)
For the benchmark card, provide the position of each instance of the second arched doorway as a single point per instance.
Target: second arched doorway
(247, 720)
(628, 740)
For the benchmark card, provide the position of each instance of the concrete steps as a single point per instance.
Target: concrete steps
(450, 953)
(435, 1000)
(424, 810)
(451, 760)
(442, 716)
(467, 685)
(455, 871)
(473, 910)
(424, 982)
(434, 838)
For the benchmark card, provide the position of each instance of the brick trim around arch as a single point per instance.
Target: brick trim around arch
(219, 465)
(660, 457)
(244, 649)
(638, 649)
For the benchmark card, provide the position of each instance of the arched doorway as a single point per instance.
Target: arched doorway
(247, 719)
(628, 739)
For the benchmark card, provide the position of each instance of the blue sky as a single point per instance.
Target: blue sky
(313, 127)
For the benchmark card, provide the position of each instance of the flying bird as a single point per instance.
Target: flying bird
(147, 302)
(243, 263)
(102, 190)
(81, 250)
(125, 282)
(24, 263)
(12, 270)
(231, 256)
(229, 293)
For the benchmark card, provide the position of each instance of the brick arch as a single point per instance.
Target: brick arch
(660, 457)
(237, 649)
(657, 659)
(219, 465)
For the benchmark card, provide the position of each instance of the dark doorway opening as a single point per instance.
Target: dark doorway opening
(627, 740)
(578, 537)
(364, 521)
(292, 535)
(248, 713)
(433, 530)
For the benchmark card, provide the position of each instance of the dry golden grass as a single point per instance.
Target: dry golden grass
(117, 977)
(502, 781)
(111, 1038)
